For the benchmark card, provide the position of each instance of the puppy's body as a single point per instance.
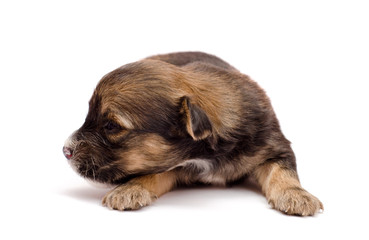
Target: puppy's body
(184, 118)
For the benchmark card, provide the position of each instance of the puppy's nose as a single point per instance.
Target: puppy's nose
(68, 152)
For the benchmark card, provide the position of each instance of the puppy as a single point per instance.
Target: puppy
(180, 119)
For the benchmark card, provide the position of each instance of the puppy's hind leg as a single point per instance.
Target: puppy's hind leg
(280, 184)
(140, 191)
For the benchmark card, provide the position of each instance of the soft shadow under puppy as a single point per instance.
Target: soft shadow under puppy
(87, 193)
(95, 194)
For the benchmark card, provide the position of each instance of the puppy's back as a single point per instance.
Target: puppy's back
(184, 58)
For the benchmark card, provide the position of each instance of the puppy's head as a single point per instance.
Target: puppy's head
(140, 121)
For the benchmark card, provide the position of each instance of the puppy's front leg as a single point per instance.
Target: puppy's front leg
(283, 191)
(140, 191)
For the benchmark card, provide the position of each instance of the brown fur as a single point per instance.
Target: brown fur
(184, 118)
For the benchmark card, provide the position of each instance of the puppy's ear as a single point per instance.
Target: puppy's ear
(197, 122)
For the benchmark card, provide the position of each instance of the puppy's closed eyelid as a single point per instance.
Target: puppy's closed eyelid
(112, 126)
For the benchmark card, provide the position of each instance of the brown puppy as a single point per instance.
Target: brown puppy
(184, 118)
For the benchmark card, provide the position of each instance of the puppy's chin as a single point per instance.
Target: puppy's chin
(73, 165)
(100, 185)
(91, 181)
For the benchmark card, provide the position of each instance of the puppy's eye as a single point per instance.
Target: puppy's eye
(112, 127)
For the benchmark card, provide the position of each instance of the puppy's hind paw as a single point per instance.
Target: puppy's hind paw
(296, 201)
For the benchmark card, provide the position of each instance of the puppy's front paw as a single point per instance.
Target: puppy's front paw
(128, 197)
(295, 201)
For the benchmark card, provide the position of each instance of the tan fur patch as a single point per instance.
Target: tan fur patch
(147, 151)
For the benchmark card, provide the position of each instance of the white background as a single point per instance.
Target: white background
(312, 57)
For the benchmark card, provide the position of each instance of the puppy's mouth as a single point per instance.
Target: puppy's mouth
(102, 171)
(83, 164)
(88, 169)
